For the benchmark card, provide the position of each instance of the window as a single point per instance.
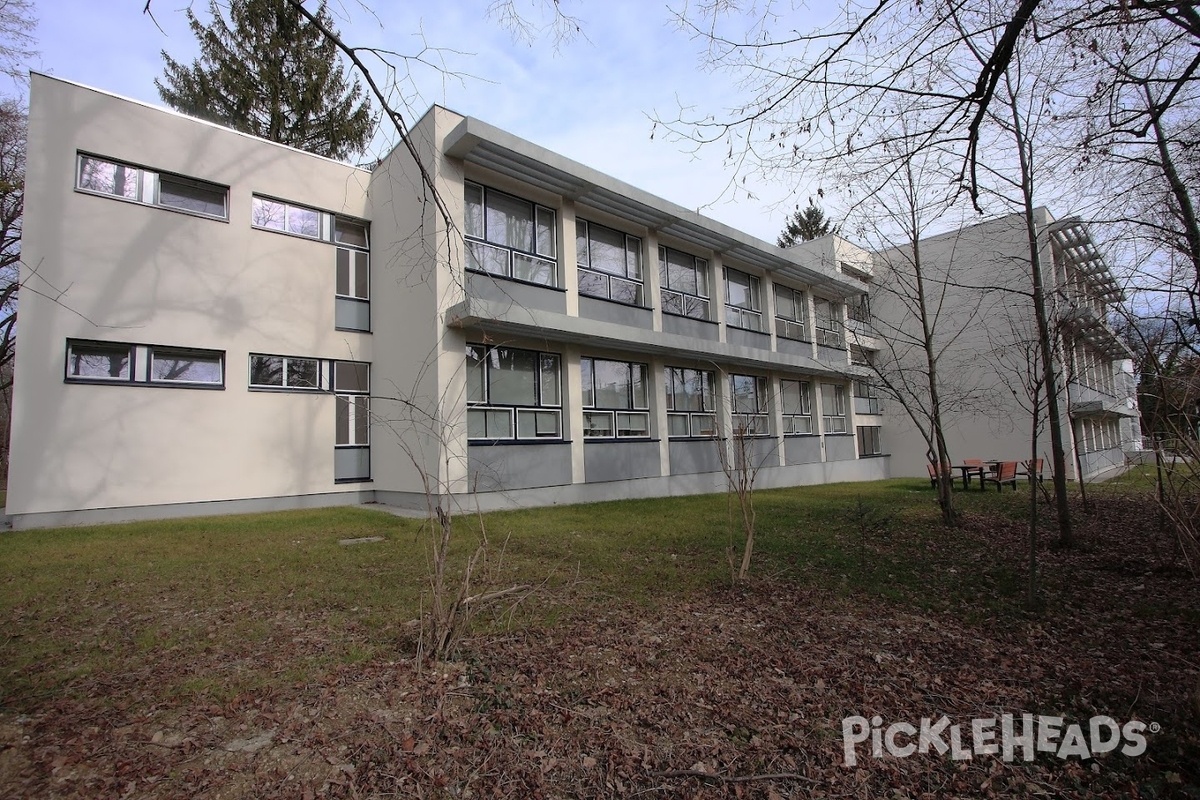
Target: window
(859, 309)
(866, 398)
(748, 397)
(743, 308)
(833, 407)
(691, 403)
(868, 441)
(352, 420)
(119, 362)
(615, 399)
(828, 320)
(285, 372)
(270, 214)
(510, 237)
(512, 394)
(352, 292)
(796, 399)
(100, 361)
(684, 283)
(609, 263)
(176, 365)
(150, 187)
(1094, 435)
(860, 356)
(791, 314)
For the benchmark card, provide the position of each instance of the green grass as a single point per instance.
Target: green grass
(83, 602)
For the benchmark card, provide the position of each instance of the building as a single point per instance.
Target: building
(211, 322)
(978, 285)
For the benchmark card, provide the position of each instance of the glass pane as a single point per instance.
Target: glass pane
(512, 377)
(706, 389)
(678, 425)
(593, 284)
(581, 243)
(633, 257)
(266, 371)
(742, 393)
(536, 424)
(509, 221)
(641, 386)
(476, 424)
(737, 286)
(342, 420)
(98, 361)
(672, 303)
(626, 291)
(362, 275)
(633, 424)
(785, 303)
(695, 307)
(597, 423)
(612, 384)
(789, 395)
(681, 272)
(487, 259)
(545, 233)
(608, 250)
(350, 233)
(499, 424)
(192, 196)
(342, 284)
(704, 425)
(475, 375)
(473, 218)
(586, 382)
(107, 177)
(303, 373)
(268, 214)
(548, 424)
(303, 221)
(351, 376)
(362, 419)
(169, 365)
(550, 380)
(534, 270)
(688, 391)
(702, 277)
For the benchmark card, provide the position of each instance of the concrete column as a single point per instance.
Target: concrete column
(567, 257)
(650, 278)
(573, 409)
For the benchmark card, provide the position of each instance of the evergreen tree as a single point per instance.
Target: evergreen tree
(805, 224)
(271, 73)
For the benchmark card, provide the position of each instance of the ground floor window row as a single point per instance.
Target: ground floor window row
(516, 394)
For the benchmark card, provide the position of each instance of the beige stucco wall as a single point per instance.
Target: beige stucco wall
(99, 268)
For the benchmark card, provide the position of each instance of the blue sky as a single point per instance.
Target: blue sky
(591, 98)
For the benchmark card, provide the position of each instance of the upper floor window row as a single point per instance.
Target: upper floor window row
(510, 237)
(311, 223)
(151, 187)
(609, 263)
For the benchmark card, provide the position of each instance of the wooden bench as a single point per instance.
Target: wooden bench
(1006, 472)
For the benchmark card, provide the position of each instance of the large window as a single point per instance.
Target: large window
(743, 304)
(513, 394)
(352, 279)
(828, 315)
(285, 372)
(796, 401)
(866, 398)
(616, 399)
(791, 314)
(120, 362)
(869, 443)
(510, 237)
(691, 403)
(859, 309)
(352, 421)
(683, 283)
(748, 396)
(833, 407)
(609, 263)
(140, 185)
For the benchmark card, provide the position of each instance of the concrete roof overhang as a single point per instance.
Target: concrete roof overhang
(479, 143)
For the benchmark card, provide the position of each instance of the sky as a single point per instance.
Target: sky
(592, 98)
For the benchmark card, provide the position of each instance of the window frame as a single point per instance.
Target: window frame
(700, 267)
(614, 413)
(285, 371)
(834, 335)
(839, 409)
(327, 222)
(184, 353)
(511, 252)
(790, 420)
(753, 312)
(141, 364)
(130, 351)
(633, 244)
(515, 411)
(708, 403)
(870, 440)
(149, 186)
(795, 329)
(754, 423)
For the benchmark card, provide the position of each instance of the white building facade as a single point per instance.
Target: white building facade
(212, 323)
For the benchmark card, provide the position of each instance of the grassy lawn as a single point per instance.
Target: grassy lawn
(214, 616)
(89, 599)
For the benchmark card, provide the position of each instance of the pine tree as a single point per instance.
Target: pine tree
(806, 224)
(269, 72)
